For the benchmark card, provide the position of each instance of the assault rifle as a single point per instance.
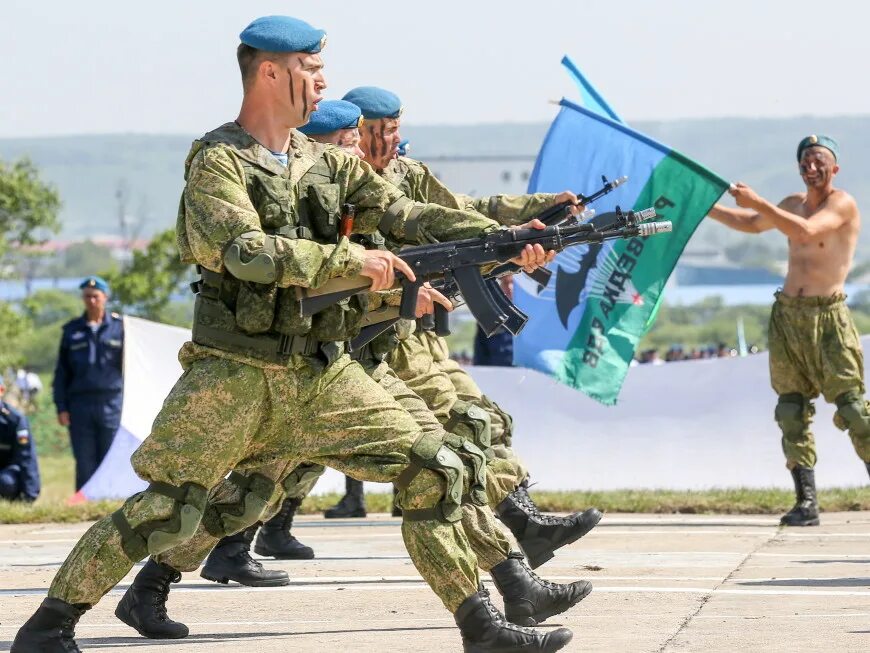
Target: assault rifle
(459, 262)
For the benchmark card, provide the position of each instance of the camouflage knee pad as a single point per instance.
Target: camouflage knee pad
(155, 537)
(447, 456)
(299, 483)
(255, 493)
(472, 423)
(793, 413)
(853, 414)
(508, 421)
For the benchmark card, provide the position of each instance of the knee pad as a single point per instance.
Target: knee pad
(506, 419)
(155, 537)
(472, 423)
(255, 493)
(298, 483)
(853, 413)
(442, 455)
(793, 413)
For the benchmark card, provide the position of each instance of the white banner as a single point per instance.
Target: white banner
(688, 425)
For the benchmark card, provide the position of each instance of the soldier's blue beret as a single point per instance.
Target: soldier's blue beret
(332, 115)
(283, 34)
(822, 141)
(375, 102)
(97, 283)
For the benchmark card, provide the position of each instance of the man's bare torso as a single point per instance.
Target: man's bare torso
(818, 267)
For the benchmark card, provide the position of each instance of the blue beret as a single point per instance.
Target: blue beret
(375, 102)
(822, 141)
(97, 283)
(283, 34)
(332, 115)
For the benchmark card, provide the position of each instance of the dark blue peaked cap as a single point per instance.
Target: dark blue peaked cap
(283, 34)
(332, 115)
(375, 102)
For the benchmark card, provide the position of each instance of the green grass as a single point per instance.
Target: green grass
(57, 477)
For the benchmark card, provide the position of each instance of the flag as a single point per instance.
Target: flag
(586, 323)
(592, 99)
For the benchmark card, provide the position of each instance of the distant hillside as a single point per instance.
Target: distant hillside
(87, 169)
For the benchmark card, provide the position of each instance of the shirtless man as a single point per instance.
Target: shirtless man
(814, 346)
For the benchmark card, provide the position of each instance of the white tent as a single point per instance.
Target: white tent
(689, 425)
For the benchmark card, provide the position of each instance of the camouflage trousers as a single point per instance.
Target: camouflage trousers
(224, 414)
(487, 541)
(422, 361)
(814, 350)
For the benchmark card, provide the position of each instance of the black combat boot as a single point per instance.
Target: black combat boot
(352, 504)
(484, 628)
(529, 599)
(231, 560)
(806, 509)
(275, 539)
(51, 629)
(540, 535)
(143, 607)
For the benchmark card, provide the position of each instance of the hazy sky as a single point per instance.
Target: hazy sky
(168, 66)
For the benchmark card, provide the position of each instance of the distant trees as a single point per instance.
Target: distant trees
(28, 213)
(28, 205)
(145, 286)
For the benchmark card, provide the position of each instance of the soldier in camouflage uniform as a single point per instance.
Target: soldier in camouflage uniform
(421, 358)
(265, 388)
(528, 599)
(814, 346)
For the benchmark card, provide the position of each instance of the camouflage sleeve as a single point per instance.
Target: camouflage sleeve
(380, 205)
(510, 209)
(217, 211)
(437, 193)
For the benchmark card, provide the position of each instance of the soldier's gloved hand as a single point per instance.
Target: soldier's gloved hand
(533, 256)
(380, 267)
(427, 297)
(568, 196)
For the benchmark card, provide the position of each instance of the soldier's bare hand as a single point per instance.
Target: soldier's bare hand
(533, 256)
(63, 418)
(744, 196)
(568, 196)
(427, 297)
(380, 266)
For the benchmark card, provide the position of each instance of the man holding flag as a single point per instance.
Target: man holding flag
(814, 345)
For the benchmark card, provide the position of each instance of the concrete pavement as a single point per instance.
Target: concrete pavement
(662, 583)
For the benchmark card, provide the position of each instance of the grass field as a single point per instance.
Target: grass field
(57, 479)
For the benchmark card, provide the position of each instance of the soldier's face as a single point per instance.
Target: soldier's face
(93, 300)
(349, 140)
(817, 167)
(303, 86)
(380, 141)
(346, 139)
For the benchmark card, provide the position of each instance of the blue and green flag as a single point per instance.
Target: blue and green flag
(586, 323)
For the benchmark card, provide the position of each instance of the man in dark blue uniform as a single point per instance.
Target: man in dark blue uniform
(88, 379)
(498, 349)
(19, 470)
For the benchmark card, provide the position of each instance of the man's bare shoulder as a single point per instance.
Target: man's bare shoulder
(791, 202)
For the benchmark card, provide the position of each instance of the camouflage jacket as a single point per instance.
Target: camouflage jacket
(235, 186)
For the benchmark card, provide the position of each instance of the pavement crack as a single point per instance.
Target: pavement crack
(684, 624)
